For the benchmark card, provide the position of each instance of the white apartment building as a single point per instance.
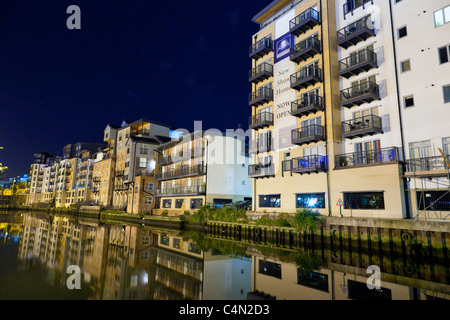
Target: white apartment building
(422, 42)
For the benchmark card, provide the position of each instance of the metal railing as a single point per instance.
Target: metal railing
(261, 93)
(306, 72)
(305, 132)
(259, 170)
(427, 164)
(351, 5)
(190, 190)
(261, 44)
(360, 90)
(262, 117)
(182, 171)
(311, 99)
(378, 156)
(261, 145)
(305, 15)
(365, 55)
(263, 67)
(351, 29)
(362, 123)
(309, 163)
(311, 42)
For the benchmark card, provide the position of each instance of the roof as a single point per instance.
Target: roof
(269, 10)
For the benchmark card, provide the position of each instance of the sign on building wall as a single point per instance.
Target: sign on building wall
(284, 122)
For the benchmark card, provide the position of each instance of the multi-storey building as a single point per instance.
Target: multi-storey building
(201, 168)
(37, 177)
(326, 127)
(134, 156)
(422, 51)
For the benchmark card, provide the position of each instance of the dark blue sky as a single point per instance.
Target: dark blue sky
(169, 61)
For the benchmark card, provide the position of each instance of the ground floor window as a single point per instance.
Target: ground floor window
(433, 200)
(364, 200)
(219, 203)
(196, 203)
(310, 200)
(179, 203)
(148, 200)
(270, 201)
(314, 280)
(167, 203)
(269, 269)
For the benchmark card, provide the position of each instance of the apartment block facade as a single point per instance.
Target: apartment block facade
(201, 168)
(334, 127)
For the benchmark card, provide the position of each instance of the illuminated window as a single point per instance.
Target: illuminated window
(310, 200)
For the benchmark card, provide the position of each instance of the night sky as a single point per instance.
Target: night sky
(173, 62)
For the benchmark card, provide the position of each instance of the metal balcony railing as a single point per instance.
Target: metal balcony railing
(370, 157)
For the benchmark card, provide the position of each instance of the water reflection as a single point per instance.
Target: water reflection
(123, 261)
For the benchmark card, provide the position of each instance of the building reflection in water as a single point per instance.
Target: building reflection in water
(120, 261)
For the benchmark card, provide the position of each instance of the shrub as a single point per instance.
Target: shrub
(306, 219)
(165, 213)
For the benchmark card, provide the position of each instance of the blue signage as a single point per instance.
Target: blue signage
(283, 46)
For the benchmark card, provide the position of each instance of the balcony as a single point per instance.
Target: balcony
(363, 126)
(120, 173)
(181, 191)
(261, 120)
(305, 21)
(308, 134)
(307, 76)
(261, 171)
(428, 167)
(367, 158)
(309, 164)
(260, 146)
(305, 49)
(351, 5)
(120, 188)
(356, 32)
(360, 94)
(262, 72)
(362, 61)
(260, 96)
(261, 48)
(307, 105)
(181, 172)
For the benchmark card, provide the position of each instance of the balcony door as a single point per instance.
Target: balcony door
(367, 152)
(420, 149)
(310, 97)
(308, 127)
(264, 141)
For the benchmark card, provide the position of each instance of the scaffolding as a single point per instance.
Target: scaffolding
(429, 201)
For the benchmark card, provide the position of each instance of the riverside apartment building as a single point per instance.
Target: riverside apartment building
(334, 125)
(201, 168)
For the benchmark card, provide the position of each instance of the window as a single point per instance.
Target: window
(167, 203)
(179, 203)
(149, 186)
(442, 16)
(270, 201)
(310, 200)
(313, 280)
(196, 203)
(409, 101)
(402, 32)
(360, 291)
(164, 240)
(148, 200)
(405, 65)
(144, 150)
(444, 53)
(143, 163)
(446, 90)
(446, 146)
(176, 243)
(269, 269)
(364, 200)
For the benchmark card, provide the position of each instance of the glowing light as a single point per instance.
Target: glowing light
(312, 202)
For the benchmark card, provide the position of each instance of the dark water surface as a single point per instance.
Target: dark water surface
(39, 253)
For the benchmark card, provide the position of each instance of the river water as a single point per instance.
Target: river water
(61, 257)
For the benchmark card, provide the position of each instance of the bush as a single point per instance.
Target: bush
(306, 219)
(165, 213)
